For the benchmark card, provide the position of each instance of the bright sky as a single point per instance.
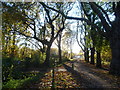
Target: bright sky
(75, 47)
(74, 12)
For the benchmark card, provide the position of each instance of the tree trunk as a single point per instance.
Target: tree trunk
(98, 61)
(47, 60)
(115, 63)
(59, 48)
(115, 43)
(86, 55)
(92, 55)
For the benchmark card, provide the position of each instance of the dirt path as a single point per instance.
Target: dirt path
(62, 79)
(83, 75)
(90, 77)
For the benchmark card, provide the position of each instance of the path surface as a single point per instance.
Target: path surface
(81, 76)
(62, 79)
(89, 77)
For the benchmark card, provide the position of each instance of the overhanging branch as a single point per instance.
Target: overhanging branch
(42, 41)
(76, 18)
(100, 15)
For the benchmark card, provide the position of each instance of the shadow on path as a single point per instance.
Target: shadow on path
(86, 79)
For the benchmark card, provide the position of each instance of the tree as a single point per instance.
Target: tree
(114, 41)
(60, 29)
(59, 47)
(68, 40)
(111, 30)
(33, 26)
(82, 39)
(59, 38)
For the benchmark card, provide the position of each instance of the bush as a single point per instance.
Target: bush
(21, 83)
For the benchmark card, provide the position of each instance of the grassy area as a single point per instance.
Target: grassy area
(21, 83)
(21, 79)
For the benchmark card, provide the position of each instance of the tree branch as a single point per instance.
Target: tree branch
(90, 20)
(42, 41)
(76, 18)
(35, 45)
(100, 15)
(78, 42)
(103, 12)
(61, 29)
(55, 17)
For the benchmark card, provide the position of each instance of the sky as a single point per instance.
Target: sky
(75, 47)
(74, 13)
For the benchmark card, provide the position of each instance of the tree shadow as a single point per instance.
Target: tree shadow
(34, 82)
(86, 64)
(85, 82)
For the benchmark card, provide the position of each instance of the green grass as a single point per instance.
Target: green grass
(15, 83)
(28, 79)
(21, 83)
